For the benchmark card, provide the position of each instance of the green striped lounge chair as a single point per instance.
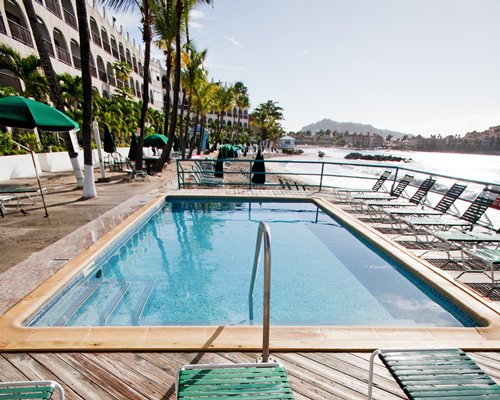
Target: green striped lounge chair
(436, 374)
(43, 390)
(213, 381)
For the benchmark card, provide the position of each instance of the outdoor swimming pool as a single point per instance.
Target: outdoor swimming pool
(190, 263)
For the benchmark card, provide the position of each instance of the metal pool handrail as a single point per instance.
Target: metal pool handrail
(263, 232)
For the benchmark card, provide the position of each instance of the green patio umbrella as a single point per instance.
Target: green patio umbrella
(21, 112)
(155, 140)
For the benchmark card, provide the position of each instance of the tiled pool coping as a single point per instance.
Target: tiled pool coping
(14, 336)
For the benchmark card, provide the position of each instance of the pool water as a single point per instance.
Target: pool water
(191, 262)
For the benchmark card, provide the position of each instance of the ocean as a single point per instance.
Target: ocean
(484, 168)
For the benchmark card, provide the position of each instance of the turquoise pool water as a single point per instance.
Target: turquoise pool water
(190, 263)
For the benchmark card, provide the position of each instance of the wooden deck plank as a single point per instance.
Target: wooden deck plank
(151, 375)
(71, 376)
(34, 370)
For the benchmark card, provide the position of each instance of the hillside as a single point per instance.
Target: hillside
(352, 127)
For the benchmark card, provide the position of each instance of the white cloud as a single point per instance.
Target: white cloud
(197, 14)
(226, 67)
(305, 52)
(233, 41)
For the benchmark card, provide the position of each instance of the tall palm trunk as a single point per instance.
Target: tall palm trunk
(165, 155)
(181, 117)
(89, 190)
(167, 94)
(186, 129)
(193, 139)
(53, 84)
(147, 36)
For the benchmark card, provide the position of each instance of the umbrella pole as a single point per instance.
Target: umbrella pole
(39, 184)
(37, 176)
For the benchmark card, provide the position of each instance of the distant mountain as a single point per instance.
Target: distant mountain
(352, 127)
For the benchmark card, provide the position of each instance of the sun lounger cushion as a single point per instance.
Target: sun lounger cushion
(255, 381)
(439, 374)
(42, 390)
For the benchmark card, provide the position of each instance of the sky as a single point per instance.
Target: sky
(413, 66)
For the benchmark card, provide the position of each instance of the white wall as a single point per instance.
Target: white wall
(21, 166)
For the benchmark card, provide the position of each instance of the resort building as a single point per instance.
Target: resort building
(59, 27)
(109, 44)
(367, 141)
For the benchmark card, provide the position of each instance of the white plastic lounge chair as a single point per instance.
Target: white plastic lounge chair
(31, 390)
(436, 374)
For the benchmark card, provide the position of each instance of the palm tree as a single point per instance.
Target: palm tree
(164, 25)
(191, 75)
(27, 70)
(89, 189)
(71, 90)
(182, 9)
(146, 7)
(241, 100)
(223, 102)
(55, 93)
(266, 117)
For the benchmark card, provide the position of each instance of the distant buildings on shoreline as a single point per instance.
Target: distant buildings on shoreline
(487, 142)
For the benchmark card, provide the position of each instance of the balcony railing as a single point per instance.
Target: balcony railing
(77, 62)
(48, 46)
(53, 7)
(20, 33)
(115, 53)
(93, 71)
(70, 19)
(63, 55)
(96, 39)
(106, 46)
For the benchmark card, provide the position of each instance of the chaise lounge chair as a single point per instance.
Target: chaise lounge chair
(42, 390)
(394, 194)
(376, 187)
(374, 207)
(436, 374)
(464, 222)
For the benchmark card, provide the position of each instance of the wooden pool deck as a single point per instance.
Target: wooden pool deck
(151, 375)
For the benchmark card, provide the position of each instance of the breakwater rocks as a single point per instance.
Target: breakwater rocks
(375, 157)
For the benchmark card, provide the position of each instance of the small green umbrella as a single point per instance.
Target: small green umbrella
(132, 152)
(109, 142)
(21, 112)
(155, 140)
